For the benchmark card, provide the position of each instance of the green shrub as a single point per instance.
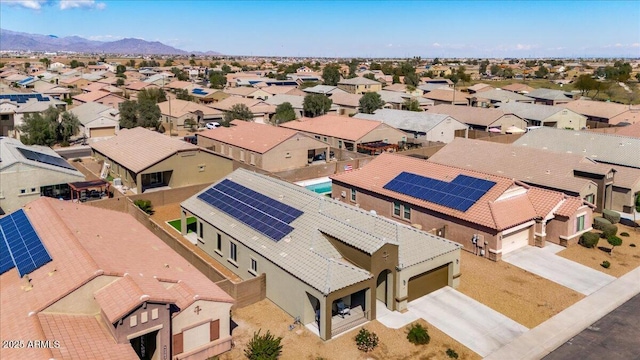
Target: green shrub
(144, 205)
(452, 354)
(418, 335)
(609, 230)
(366, 340)
(263, 347)
(589, 240)
(599, 223)
(624, 233)
(612, 216)
(605, 264)
(614, 241)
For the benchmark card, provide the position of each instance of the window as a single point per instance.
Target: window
(591, 198)
(242, 155)
(23, 191)
(580, 223)
(230, 151)
(33, 190)
(353, 194)
(339, 144)
(288, 155)
(233, 251)
(254, 266)
(253, 159)
(324, 139)
(396, 208)
(407, 212)
(222, 149)
(133, 321)
(219, 243)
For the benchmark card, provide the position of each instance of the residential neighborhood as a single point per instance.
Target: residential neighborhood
(264, 193)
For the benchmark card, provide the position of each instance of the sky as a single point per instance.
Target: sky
(448, 29)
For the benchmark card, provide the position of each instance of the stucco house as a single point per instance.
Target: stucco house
(488, 215)
(97, 120)
(606, 112)
(328, 264)
(174, 113)
(270, 148)
(29, 172)
(146, 160)
(104, 286)
(359, 85)
(545, 115)
(101, 97)
(481, 118)
(419, 125)
(550, 96)
(349, 133)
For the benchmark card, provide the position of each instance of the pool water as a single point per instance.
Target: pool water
(321, 188)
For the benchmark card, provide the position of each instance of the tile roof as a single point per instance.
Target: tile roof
(138, 85)
(503, 96)
(605, 148)
(358, 80)
(94, 86)
(10, 155)
(294, 100)
(243, 91)
(323, 89)
(252, 136)
(480, 87)
(275, 90)
(306, 252)
(449, 95)
(408, 120)
(90, 111)
(94, 96)
(84, 244)
(341, 127)
(518, 88)
(532, 166)
(226, 104)
(530, 111)
(180, 108)
(592, 108)
(468, 114)
(138, 148)
(488, 211)
(632, 130)
(570, 206)
(549, 94)
(400, 98)
(349, 100)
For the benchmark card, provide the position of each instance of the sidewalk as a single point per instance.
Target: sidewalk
(551, 334)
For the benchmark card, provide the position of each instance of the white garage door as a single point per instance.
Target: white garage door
(515, 241)
(102, 132)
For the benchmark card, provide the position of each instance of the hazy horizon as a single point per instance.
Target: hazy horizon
(377, 29)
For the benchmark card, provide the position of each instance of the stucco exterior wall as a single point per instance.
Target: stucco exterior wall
(21, 176)
(508, 120)
(384, 132)
(445, 131)
(144, 323)
(81, 301)
(194, 323)
(568, 119)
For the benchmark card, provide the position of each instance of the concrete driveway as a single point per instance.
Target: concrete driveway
(565, 272)
(468, 321)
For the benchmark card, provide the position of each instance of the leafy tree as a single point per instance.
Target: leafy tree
(370, 76)
(411, 79)
(68, 127)
(495, 70)
(153, 95)
(284, 113)
(412, 105)
(306, 84)
(387, 68)
(148, 114)
(614, 241)
(27, 65)
(462, 75)
(371, 102)
(192, 62)
(132, 63)
(1, 64)
(180, 74)
(46, 62)
(168, 62)
(238, 111)
(637, 74)
(436, 61)
(120, 82)
(217, 79)
(375, 66)
(396, 79)
(226, 69)
(128, 114)
(316, 105)
(92, 63)
(183, 94)
(120, 69)
(263, 347)
(585, 83)
(331, 75)
(40, 128)
(144, 64)
(483, 66)
(542, 72)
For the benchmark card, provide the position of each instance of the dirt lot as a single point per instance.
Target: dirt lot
(522, 296)
(623, 259)
(302, 344)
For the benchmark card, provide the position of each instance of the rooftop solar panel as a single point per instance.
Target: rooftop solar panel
(459, 194)
(262, 213)
(45, 158)
(22, 243)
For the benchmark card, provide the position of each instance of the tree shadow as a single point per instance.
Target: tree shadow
(605, 249)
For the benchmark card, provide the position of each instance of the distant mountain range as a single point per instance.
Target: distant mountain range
(19, 41)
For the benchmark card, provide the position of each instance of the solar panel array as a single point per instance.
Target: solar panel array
(460, 194)
(45, 159)
(262, 213)
(21, 246)
(23, 98)
(199, 91)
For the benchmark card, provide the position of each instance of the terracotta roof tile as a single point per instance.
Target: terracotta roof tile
(570, 206)
(341, 127)
(251, 136)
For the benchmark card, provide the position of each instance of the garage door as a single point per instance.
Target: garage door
(515, 241)
(102, 132)
(421, 285)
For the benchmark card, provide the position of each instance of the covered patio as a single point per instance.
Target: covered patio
(89, 190)
(377, 147)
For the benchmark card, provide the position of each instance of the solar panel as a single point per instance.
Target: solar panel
(21, 244)
(460, 194)
(45, 158)
(262, 213)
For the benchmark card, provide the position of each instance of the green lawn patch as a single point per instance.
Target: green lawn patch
(191, 224)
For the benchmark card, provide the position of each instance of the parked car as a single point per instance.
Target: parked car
(191, 139)
(212, 125)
